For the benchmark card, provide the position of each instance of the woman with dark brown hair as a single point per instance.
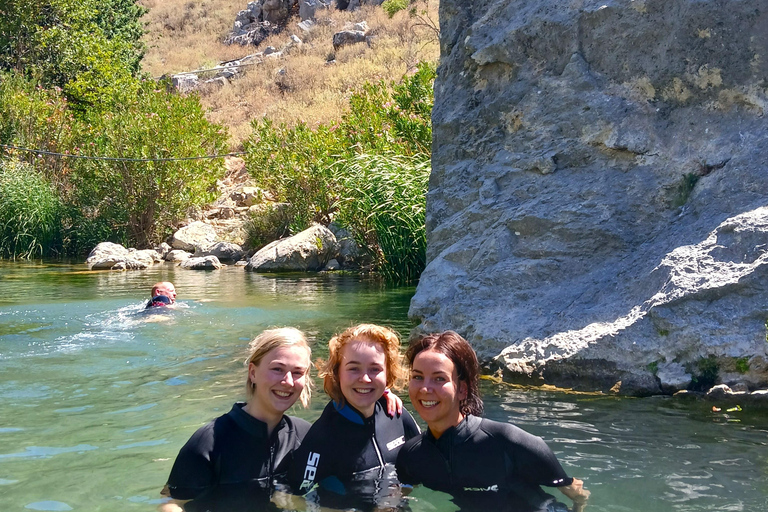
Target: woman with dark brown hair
(482, 463)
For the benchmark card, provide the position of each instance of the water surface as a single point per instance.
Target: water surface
(96, 398)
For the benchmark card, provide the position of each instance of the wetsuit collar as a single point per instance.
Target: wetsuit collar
(353, 414)
(459, 433)
(256, 428)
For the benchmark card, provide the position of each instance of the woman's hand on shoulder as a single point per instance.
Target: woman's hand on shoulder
(394, 404)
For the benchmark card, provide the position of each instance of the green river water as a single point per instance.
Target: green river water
(95, 400)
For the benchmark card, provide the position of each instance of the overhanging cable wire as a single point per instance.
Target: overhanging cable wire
(119, 159)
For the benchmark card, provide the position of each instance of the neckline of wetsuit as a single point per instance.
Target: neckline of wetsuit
(459, 433)
(353, 415)
(253, 426)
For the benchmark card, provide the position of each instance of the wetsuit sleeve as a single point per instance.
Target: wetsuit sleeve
(533, 461)
(193, 471)
(404, 461)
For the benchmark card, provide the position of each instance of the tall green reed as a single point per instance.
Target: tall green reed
(30, 212)
(383, 201)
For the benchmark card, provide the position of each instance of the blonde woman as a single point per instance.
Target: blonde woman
(252, 444)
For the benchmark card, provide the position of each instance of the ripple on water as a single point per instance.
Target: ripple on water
(48, 505)
(45, 452)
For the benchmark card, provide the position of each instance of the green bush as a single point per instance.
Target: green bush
(135, 203)
(89, 48)
(267, 225)
(33, 117)
(30, 212)
(383, 203)
(299, 165)
(294, 164)
(391, 7)
(143, 200)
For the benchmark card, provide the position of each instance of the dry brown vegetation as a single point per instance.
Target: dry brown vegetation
(311, 83)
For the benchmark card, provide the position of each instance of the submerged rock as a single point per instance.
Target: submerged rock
(203, 263)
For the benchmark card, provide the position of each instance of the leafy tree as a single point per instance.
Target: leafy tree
(89, 48)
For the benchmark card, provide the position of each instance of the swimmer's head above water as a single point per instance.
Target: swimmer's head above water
(165, 289)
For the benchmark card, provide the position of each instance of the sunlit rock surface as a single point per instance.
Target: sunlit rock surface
(596, 215)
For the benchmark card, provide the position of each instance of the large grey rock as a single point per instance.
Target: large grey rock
(309, 250)
(596, 204)
(202, 263)
(224, 251)
(350, 254)
(177, 255)
(347, 37)
(108, 255)
(195, 236)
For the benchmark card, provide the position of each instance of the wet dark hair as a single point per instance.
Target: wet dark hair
(464, 359)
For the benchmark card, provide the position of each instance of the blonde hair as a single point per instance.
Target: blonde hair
(270, 340)
(384, 336)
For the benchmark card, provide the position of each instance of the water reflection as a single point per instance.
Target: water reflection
(91, 394)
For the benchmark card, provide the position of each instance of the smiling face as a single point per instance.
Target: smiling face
(280, 377)
(362, 374)
(435, 391)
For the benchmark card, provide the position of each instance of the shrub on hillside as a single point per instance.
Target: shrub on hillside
(30, 212)
(156, 139)
(392, 7)
(297, 164)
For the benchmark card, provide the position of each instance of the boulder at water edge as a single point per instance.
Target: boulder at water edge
(309, 250)
(108, 255)
(224, 251)
(195, 236)
(204, 263)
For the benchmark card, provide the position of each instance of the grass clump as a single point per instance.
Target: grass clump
(384, 200)
(30, 212)
(268, 224)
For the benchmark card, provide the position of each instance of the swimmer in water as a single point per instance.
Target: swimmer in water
(163, 295)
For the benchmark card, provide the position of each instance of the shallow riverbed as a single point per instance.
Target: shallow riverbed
(96, 398)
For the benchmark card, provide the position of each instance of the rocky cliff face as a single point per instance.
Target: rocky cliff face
(597, 208)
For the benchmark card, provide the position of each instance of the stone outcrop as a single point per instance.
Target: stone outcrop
(309, 250)
(197, 236)
(596, 215)
(224, 251)
(108, 255)
(201, 263)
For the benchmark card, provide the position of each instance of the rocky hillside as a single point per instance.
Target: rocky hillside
(312, 81)
(597, 210)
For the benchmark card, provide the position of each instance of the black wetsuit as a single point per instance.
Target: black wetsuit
(484, 465)
(344, 452)
(234, 450)
(158, 301)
